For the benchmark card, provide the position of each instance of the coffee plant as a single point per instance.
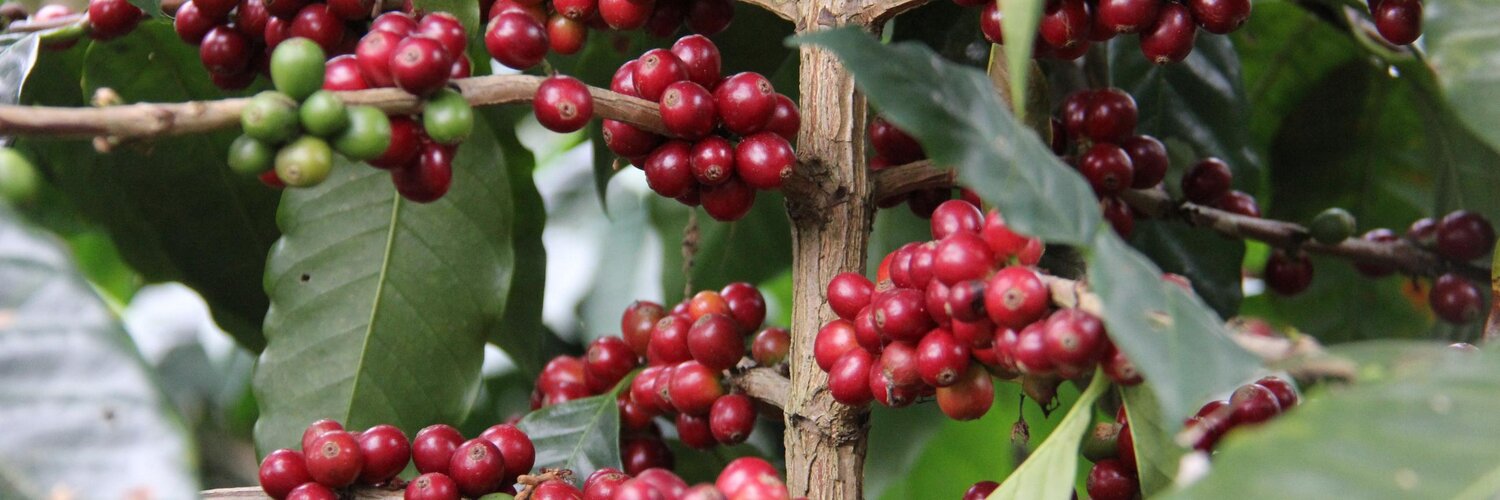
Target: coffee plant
(1148, 249)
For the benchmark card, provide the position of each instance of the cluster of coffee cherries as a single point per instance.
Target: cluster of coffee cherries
(1398, 21)
(332, 459)
(701, 164)
(746, 478)
(1166, 28)
(951, 312)
(687, 351)
(567, 27)
(894, 147)
(107, 19)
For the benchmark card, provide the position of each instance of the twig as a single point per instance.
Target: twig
(689, 251)
(880, 11)
(35, 26)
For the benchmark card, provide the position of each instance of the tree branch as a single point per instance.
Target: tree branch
(764, 384)
(1155, 203)
(880, 11)
(785, 9)
(147, 120)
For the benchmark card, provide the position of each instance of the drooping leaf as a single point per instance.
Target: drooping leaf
(84, 417)
(1048, 473)
(1418, 424)
(582, 435)
(1156, 455)
(1462, 38)
(174, 209)
(381, 307)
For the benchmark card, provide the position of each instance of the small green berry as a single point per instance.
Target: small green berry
(323, 114)
(249, 156)
(367, 136)
(1332, 226)
(305, 162)
(297, 67)
(19, 180)
(270, 117)
(448, 118)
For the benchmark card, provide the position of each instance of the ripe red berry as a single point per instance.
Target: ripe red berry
(1109, 479)
(432, 486)
(399, 23)
(112, 18)
(1238, 203)
(764, 160)
(352, 10)
(1286, 274)
(980, 490)
(335, 459)
(577, 10)
(217, 10)
(315, 22)
(705, 303)
(563, 104)
(941, 358)
(664, 481)
(643, 453)
(687, 110)
(386, 452)
(1149, 158)
(961, 257)
(666, 18)
(1252, 404)
(477, 467)
(712, 159)
(714, 340)
(1378, 235)
(516, 40)
(901, 314)
(732, 418)
(746, 305)
(1030, 350)
(1107, 168)
(709, 17)
(1075, 112)
(1118, 367)
(770, 346)
(224, 50)
(285, 9)
(865, 332)
(893, 143)
(849, 378)
(693, 431)
(317, 429)
(898, 364)
(1004, 242)
(1455, 299)
(433, 447)
(277, 30)
(1119, 215)
(1286, 396)
(628, 141)
(374, 56)
(1207, 181)
(282, 471)
(785, 120)
(1399, 21)
(956, 216)
(700, 57)
(343, 73)
(608, 360)
(694, 387)
(834, 340)
(602, 484)
(636, 323)
(1170, 39)
(636, 489)
(969, 397)
(406, 144)
(559, 371)
(1015, 297)
(1074, 338)
(1220, 16)
(446, 29)
(566, 36)
(746, 102)
(655, 71)
(429, 178)
(887, 392)
(990, 23)
(420, 65)
(625, 15)
(312, 491)
(744, 474)
(1111, 116)
(668, 171)
(1463, 236)
(848, 293)
(1064, 23)
(669, 341)
(1127, 16)
(556, 489)
(190, 23)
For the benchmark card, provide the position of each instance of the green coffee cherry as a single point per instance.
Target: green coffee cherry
(323, 114)
(367, 136)
(305, 162)
(1332, 226)
(1099, 444)
(297, 67)
(19, 180)
(271, 117)
(249, 156)
(448, 118)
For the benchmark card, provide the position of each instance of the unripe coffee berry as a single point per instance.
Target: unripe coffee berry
(323, 114)
(270, 117)
(448, 118)
(304, 162)
(1332, 226)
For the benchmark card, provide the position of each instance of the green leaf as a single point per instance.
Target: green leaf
(16, 61)
(1020, 26)
(1462, 38)
(1156, 454)
(174, 209)
(84, 416)
(380, 307)
(1048, 473)
(520, 331)
(1419, 424)
(751, 249)
(1209, 260)
(582, 435)
(956, 114)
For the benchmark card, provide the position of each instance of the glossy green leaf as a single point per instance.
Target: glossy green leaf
(1156, 454)
(16, 60)
(83, 414)
(959, 119)
(1020, 26)
(1048, 473)
(1419, 424)
(520, 331)
(751, 249)
(381, 307)
(174, 209)
(582, 435)
(1463, 47)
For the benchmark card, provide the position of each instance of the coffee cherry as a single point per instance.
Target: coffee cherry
(625, 15)
(1378, 235)
(693, 431)
(941, 358)
(559, 371)
(516, 40)
(316, 430)
(1286, 274)
(312, 491)
(764, 160)
(284, 9)
(367, 136)
(351, 10)
(1220, 16)
(282, 471)
(429, 178)
(226, 51)
(190, 23)
(1208, 180)
(901, 314)
(1002, 241)
(732, 418)
(700, 58)
(1075, 112)
(448, 118)
(323, 114)
(865, 332)
(270, 117)
(1332, 226)
(636, 323)
(636, 489)
(1149, 158)
(343, 73)
(1398, 21)
(304, 162)
(1064, 23)
(420, 65)
(1118, 367)
(969, 397)
(217, 10)
(1107, 168)
(1030, 350)
(709, 17)
(318, 24)
(603, 483)
(746, 102)
(714, 340)
(1455, 299)
(1015, 297)
(334, 459)
(887, 392)
(405, 145)
(1252, 404)
(277, 30)
(607, 362)
(1111, 116)
(785, 120)
(644, 453)
(1170, 39)
(746, 305)
(643, 389)
(1463, 236)
(849, 378)
(770, 346)
(742, 477)
(694, 387)
(712, 159)
(990, 23)
(664, 481)
(832, 341)
(894, 144)
(398, 23)
(628, 141)
(980, 490)
(446, 29)
(112, 18)
(1119, 215)
(432, 486)
(668, 171)
(1111, 480)
(655, 71)
(956, 216)
(962, 257)
(848, 293)
(477, 468)
(385, 451)
(248, 156)
(666, 18)
(1239, 203)
(1073, 337)
(566, 36)
(373, 54)
(687, 110)
(1127, 16)
(898, 364)
(1286, 396)
(577, 10)
(668, 343)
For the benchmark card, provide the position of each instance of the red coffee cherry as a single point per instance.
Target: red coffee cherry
(835, 339)
(335, 459)
(315, 22)
(643, 453)
(281, 472)
(277, 30)
(746, 102)
(343, 73)
(625, 15)
(1239, 203)
(1119, 215)
(865, 333)
(654, 71)
(578, 10)
(460, 68)
(941, 358)
(386, 452)
(636, 323)
(312, 491)
(602, 484)
(607, 362)
(785, 120)
(898, 364)
(901, 314)
(635, 489)
(1127, 16)
(433, 447)
(446, 29)
(746, 305)
(700, 57)
(516, 40)
(961, 257)
(669, 341)
(849, 378)
(935, 298)
(566, 36)
(664, 481)
(1109, 479)
(746, 473)
(1030, 350)
(687, 110)
(224, 50)
(969, 397)
(764, 160)
(666, 18)
(559, 371)
(1378, 235)
(643, 389)
(1207, 181)
(1463, 236)
(1118, 367)
(352, 10)
(980, 490)
(1075, 112)
(432, 486)
(965, 301)
(693, 431)
(1064, 23)
(398, 23)
(317, 429)
(712, 159)
(887, 392)
(1074, 338)
(285, 9)
(1455, 299)
(374, 53)
(709, 17)
(1286, 396)
(628, 141)
(770, 346)
(707, 302)
(556, 489)
(848, 293)
(1399, 21)
(420, 65)
(732, 418)
(1220, 16)
(477, 467)
(430, 177)
(694, 387)
(1149, 158)
(563, 104)
(1004, 242)
(1015, 297)
(112, 18)
(990, 20)
(1170, 39)
(956, 216)
(668, 171)
(894, 144)
(534, 10)
(1252, 404)
(1111, 116)
(190, 23)
(217, 10)
(406, 144)
(1286, 274)
(715, 341)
